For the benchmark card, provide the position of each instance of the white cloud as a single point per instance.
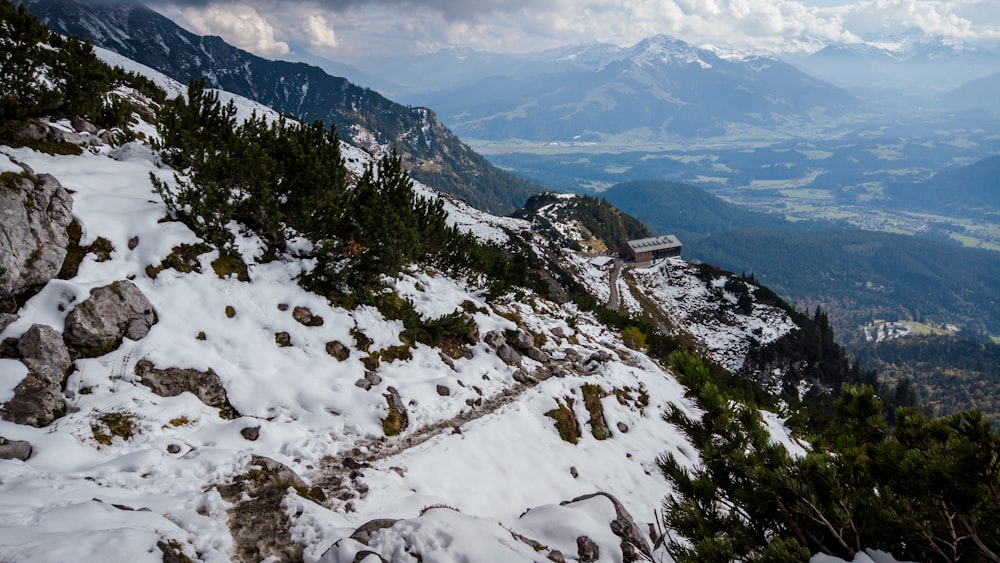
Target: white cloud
(389, 26)
(319, 32)
(238, 24)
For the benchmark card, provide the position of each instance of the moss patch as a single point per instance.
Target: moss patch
(183, 258)
(592, 395)
(111, 424)
(229, 264)
(565, 421)
(230, 311)
(392, 424)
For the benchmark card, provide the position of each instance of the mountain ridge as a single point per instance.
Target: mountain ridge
(361, 115)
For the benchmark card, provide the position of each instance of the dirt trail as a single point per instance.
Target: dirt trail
(613, 300)
(339, 475)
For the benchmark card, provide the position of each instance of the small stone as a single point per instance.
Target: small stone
(305, 317)
(336, 349)
(623, 428)
(133, 242)
(230, 311)
(363, 383)
(15, 449)
(443, 390)
(173, 449)
(251, 433)
(282, 339)
(574, 472)
(586, 550)
(201, 335)
(282, 307)
(556, 556)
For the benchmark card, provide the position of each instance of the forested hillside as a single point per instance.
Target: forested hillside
(429, 150)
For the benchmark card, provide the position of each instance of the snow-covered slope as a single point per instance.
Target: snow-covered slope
(477, 474)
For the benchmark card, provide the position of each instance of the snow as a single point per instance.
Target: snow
(485, 447)
(11, 373)
(8, 165)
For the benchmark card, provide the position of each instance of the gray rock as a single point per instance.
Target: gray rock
(38, 399)
(494, 339)
(133, 150)
(276, 472)
(171, 382)
(84, 126)
(336, 349)
(109, 314)
(6, 319)
(34, 215)
(371, 379)
(634, 545)
(558, 332)
(521, 340)
(45, 344)
(586, 550)
(173, 449)
(622, 427)
(508, 355)
(15, 449)
(443, 390)
(306, 317)
(251, 433)
(537, 355)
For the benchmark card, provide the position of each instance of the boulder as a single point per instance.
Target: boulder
(38, 397)
(15, 449)
(521, 340)
(171, 382)
(45, 344)
(508, 355)
(111, 313)
(34, 215)
(494, 339)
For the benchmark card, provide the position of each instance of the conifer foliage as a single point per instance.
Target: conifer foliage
(928, 490)
(45, 74)
(283, 179)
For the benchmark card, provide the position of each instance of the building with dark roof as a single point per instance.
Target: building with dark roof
(647, 250)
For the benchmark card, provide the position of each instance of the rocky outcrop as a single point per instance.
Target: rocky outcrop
(34, 215)
(45, 344)
(111, 313)
(38, 397)
(171, 382)
(633, 543)
(15, 449)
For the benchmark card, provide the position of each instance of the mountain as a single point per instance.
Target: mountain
(979, 93)
(960, 191)
(661, 88)
(186, 388)
(912, 71)
(361, 115)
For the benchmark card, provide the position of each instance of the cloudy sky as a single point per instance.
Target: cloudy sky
(347, 29)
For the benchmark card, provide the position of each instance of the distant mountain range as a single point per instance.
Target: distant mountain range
(431, 151)
(898, 70)
(661, 88)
